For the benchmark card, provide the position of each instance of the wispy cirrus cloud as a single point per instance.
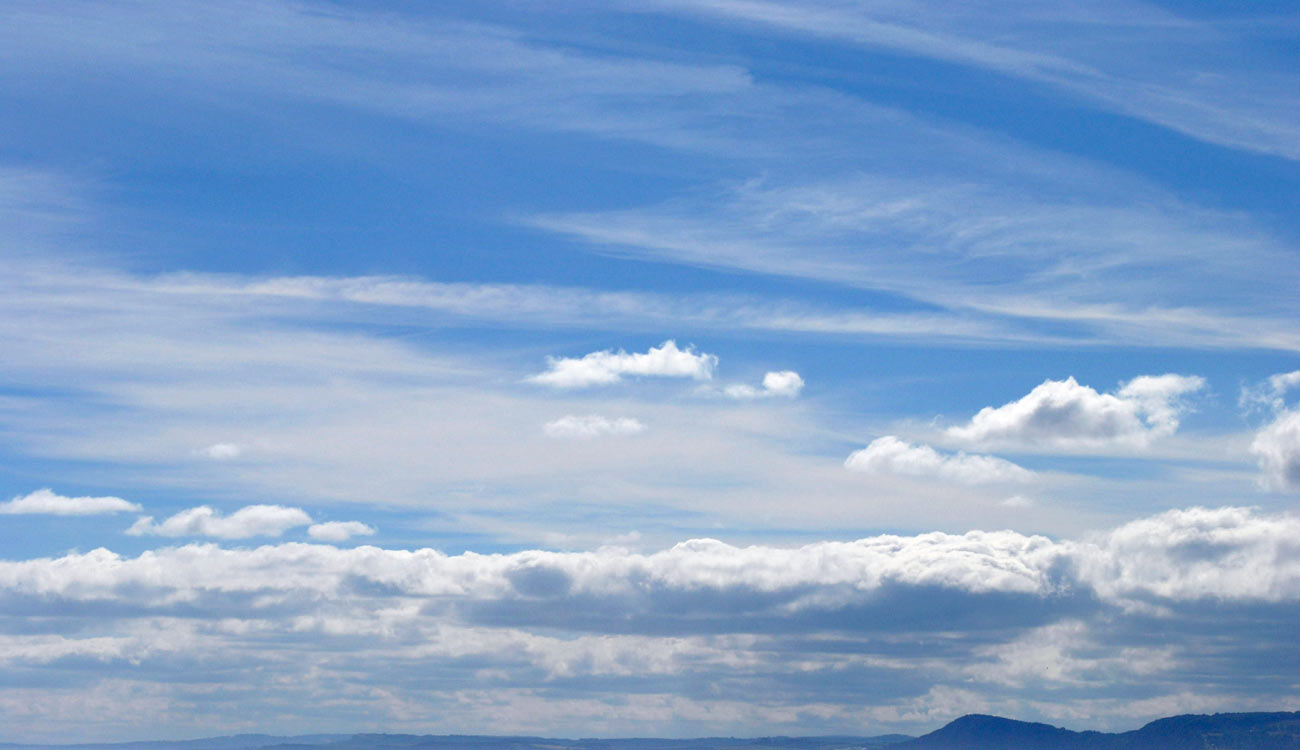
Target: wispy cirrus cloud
(1003, 249)
(1142, 73)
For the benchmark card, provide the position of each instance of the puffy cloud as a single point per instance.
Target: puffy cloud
(45, 501)
(890, 455)
(1277, 446)
(339, 531)
(785, 383)
(591, 426)
(249, 521)
(1064, 414)
(606, 367)
(1195, 554)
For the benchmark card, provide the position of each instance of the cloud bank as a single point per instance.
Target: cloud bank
(891, 630)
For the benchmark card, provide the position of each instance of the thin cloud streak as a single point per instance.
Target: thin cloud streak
(1141, 74)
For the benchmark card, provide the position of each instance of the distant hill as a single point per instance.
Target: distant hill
(1245, 731)
(1242, 731)
(481, 742)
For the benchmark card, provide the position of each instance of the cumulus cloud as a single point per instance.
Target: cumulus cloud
(45, 501)
(339, 531)
(249, 521)
(848, 624)
(890, 455)
(1277, 446)
(1064, 414)
(1227, 554)
(785, 383)
(592, 426)
(1195, 554)
(607, 367)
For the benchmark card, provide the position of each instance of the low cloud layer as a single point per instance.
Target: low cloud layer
(1066, 415)
(1028, 624)
(890, 455)
(46, 501)
(608, 367)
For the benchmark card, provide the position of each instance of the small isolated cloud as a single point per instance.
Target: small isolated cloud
(785, 383)
(45, 501)
(1064, 414)
(591, 426)
(890, 455)
(250, 521)
(222, 451)
(607, 367)
(1271, 393)
(339, 531)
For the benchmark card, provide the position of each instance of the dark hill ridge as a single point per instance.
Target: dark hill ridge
(1245, 731)
(1241, 731)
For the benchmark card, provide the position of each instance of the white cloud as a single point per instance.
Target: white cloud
(607, 367)
(1024, 613)
(1277, 446)
(249, 521)
(1271, 393)
(592, 426)
(1195, 554)
(45, 501)
(222, 451)
(785, 383)
(1227, 554)
(1064, 414)
(890, 455)
(339, 531)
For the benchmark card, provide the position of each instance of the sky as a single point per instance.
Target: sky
(722, 367)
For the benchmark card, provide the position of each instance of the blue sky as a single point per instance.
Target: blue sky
(661, 368)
